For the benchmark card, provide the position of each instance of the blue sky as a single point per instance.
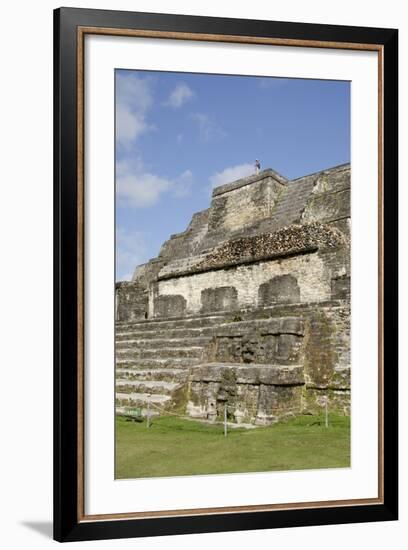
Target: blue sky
(180, 134)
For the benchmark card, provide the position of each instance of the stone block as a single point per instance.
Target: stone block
(340, 287)
(131, 301)
(169, 306)
(279, 289)
(224, 298)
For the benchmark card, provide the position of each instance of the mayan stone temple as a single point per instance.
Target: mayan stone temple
(248, 308)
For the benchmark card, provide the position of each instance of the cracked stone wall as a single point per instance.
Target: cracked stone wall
(132, 301)
(234, 209)
(266, 368)
(313, 283)
(251, 393)
(265, 248)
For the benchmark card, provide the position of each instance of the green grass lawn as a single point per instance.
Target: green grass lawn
(174, 447)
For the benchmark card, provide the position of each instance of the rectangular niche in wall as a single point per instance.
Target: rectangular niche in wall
(281, 289)
(169, 306)
(223, 298)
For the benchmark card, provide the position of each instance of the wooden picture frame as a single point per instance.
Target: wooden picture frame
(71, 26)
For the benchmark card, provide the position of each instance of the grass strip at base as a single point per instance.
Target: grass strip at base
(176, 447)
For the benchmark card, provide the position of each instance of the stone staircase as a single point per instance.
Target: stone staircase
(193, 365)
(154, 359)
(253, 361)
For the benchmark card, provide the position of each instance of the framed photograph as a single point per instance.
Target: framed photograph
(225, 274)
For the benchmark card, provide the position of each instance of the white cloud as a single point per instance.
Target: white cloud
(207, 127)
(133, 100)
(139, 188)
(231, 173)
(128, 166)
(129, 125)
(133, 90)
(179, 96)
(130, 252)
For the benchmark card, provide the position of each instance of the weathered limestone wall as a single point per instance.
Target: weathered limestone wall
(310, 282)
(329, 200)
(252, 393)
(132, 302)
(263, 277)
(187, 243)
(257, 372)
(273, 341)
(327, 359)
(145, 273)
(288, 241)
(233, 209)
(288, 362)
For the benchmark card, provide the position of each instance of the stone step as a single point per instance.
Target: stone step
(146, 386)
(161, 343)
(250, 373)
(142, 400)
(162, 362)
(136, 353)
(187, 322)
(167, 375)
(290, 324)
(153, 334)
(278, 325)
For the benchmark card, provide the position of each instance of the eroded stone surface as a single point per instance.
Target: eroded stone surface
(170, 306)
(248, 308)
(279, 289)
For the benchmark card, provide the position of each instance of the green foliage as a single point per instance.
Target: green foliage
(175, 446)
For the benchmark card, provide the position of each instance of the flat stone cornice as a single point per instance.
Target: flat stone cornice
(269, 173)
